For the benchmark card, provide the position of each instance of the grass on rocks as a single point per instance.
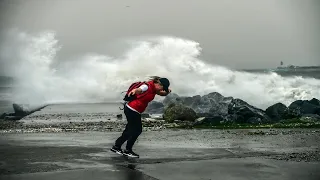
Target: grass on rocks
(155, 124)
(289, 123)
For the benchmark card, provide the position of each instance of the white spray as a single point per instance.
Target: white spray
(99, 78)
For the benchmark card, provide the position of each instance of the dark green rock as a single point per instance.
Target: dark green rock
(178, 112)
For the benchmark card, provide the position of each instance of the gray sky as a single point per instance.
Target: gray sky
(237, 34)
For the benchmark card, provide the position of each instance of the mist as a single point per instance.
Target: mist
(240, 35)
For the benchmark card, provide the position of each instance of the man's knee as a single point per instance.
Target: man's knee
(138, 130)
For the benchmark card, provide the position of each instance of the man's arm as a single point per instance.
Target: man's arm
(139, 90)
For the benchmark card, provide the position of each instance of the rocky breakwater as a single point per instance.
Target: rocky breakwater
(20, 111)
(215, 110)
(64, 121)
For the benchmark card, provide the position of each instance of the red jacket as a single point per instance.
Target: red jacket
(142, 101)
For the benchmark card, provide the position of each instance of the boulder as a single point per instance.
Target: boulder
(314, 101)
(178, 112)
(311, 117)
(306, 106)
(292, 113)
(10, 116)
(236, 110)
(145, 115)
(155, 107)
(212, 102)
(209, 121)
(254, 120)
(20, 110)
(119, 116)
(13, 117)
(240, 112)
(277, 112)
(245, 113)
(3, 115)
(170, 98)
(228, 108)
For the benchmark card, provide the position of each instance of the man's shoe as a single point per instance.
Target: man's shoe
(130, 153)
(116, 150)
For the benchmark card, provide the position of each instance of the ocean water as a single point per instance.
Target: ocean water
(38, 76)
(6, 87)
(304, 72)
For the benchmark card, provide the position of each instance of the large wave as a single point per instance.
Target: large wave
(99, 77)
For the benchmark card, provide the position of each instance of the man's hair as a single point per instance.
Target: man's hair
(155, 78)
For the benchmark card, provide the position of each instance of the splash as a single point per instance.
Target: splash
(98, 77)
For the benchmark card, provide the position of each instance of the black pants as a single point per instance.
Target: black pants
(133, 129)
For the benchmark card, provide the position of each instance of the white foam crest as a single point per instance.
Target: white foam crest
(94, 78)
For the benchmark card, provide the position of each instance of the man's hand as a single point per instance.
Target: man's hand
(163, 92)
(135, 91)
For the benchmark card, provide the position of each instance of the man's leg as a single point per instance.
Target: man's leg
(124, 136)
(135, 131)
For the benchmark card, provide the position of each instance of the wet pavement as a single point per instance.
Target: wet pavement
(167, 154)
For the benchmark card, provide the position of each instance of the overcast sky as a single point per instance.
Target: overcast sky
(237, 34)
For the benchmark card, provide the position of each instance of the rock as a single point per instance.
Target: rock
(236, 110)
(242, 112)
(20, 110)
(10, 116)
(155, 107)
(314, 101)
(119, 116)
(306, 106)
(277, 112)
(201, 115)
(178, 112)
(3, 115)
(13, 117)
(292, 113)
(145, 115)
(170, 98)
(211, 121)
(214, 104)
(254, 120)
(171, 125)
(177, 121)
(256, 133)
(311, 117)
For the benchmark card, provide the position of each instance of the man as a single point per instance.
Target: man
(133, 109)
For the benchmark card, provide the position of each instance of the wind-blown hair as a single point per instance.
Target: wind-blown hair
(155, 78)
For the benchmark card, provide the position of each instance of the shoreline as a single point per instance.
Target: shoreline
(106, 117)
(41, 126)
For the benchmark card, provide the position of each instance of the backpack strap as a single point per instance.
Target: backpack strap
(133, 86)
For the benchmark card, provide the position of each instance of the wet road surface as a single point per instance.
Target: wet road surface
(163, 155)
